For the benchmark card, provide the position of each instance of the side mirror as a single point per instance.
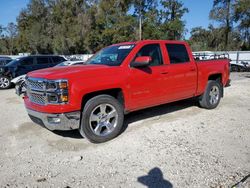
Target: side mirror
(141, 61)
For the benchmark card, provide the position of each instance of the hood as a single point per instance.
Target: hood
(67, 72)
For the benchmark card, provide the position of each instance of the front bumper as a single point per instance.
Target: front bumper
(64, 121)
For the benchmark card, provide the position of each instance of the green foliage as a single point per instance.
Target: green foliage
(171, 15)
(242, 15)
(223, 13)
(213, 39)
(226, 37)
(8, 39)
(77, 26)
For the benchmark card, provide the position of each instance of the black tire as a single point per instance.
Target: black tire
(92, 107)
(206, 100)
(5, 82)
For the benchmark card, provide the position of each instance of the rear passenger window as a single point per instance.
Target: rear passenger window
(177, 53)
(58, 59)
(27, 61)
(42, 60)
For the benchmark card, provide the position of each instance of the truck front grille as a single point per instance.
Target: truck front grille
(35, 84)
(37, 98)
(36, 90)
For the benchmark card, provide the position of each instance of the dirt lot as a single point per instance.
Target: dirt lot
(174, 145)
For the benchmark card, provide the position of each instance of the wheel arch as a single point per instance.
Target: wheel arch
(217, 77)
(114, 92)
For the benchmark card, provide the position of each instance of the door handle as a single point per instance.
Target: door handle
(164, 72)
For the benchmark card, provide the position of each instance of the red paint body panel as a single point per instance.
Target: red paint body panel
(149, 86)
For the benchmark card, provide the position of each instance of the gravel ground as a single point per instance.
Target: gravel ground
(174, 145)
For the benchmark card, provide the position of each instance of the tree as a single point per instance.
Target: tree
(142, 7)
(171, 15)
(212, 39)
(34, 26)
(8, 39)
(11, 31)
(242, 15)
(222, 12)
(110, 24)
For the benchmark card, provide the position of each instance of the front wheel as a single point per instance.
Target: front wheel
(212, 95)
(5, 82)
(102, 119)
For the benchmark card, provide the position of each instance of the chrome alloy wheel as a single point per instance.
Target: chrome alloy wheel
(4, 82)
(103, 119)
(214, 95)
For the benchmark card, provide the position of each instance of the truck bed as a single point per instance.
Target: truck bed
(212, 66)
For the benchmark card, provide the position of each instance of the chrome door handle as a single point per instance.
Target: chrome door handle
(165, 72)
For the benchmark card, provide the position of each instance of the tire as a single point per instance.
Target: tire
(5, 82)
(212, 95)
(102, 119)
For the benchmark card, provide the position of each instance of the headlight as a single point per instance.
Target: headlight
(57, 91)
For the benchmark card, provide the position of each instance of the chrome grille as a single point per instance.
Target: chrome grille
(37, 98)
(35, 90)
(35, 84)
(44, 92)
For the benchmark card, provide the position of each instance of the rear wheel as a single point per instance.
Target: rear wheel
(102, 119)
(212, 95)
(5, 82)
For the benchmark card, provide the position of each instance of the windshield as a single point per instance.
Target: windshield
(112, 56)
(13, 62)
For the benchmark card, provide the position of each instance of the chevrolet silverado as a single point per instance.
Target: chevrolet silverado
(119, 79)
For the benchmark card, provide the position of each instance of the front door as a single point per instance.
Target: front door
(146, 83)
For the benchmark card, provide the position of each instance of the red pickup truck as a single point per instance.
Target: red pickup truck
(118, 79)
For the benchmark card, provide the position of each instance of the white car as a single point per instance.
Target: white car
(69, 63)
(17, 79)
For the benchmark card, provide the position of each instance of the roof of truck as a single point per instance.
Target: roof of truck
(146, 41)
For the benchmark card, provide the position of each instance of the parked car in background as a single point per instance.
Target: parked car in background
(4, 60)
(242, 66)
(19, 81)
(119, 79)
(23, 65)
(69, 63)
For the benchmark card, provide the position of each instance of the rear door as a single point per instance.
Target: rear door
(25, 65)
(182, 72)
(42, 62)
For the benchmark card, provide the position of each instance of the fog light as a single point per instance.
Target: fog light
(54, 120)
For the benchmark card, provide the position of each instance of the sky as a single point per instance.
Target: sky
(197, 16)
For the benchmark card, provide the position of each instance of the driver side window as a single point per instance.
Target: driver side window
(152, 50)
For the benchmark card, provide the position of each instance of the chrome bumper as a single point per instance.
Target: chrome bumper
(65, 121)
